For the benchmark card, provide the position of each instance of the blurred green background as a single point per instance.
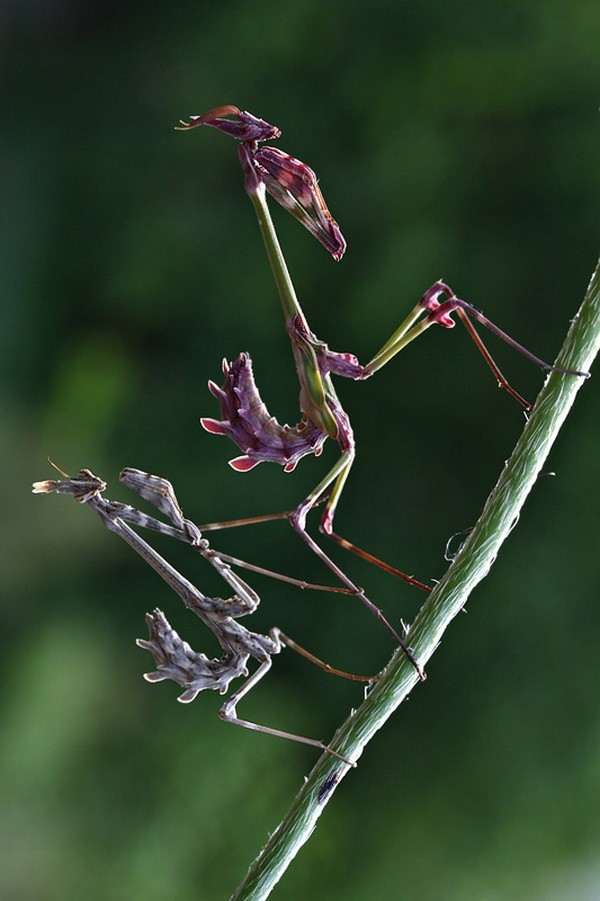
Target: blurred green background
(456, 141)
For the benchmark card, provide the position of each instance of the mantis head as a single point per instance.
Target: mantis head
(234, 122)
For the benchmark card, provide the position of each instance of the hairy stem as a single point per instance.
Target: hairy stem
(472, 564)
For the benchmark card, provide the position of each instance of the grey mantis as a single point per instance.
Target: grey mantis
(244, 417)
(174, 658)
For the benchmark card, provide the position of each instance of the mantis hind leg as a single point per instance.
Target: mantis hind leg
(228, 713)
(338, 475)
(327, 529)
(329, 489)
(377, 561)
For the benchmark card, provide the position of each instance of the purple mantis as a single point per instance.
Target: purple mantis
(244, 417)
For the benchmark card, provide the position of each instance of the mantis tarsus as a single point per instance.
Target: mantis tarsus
(244, 417)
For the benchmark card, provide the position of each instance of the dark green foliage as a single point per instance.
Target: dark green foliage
(456, 142)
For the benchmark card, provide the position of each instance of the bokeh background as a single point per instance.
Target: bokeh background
(451, 140)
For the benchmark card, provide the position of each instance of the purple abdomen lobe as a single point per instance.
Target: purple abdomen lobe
(246, 420)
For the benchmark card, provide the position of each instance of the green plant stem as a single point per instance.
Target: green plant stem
(472, 564)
